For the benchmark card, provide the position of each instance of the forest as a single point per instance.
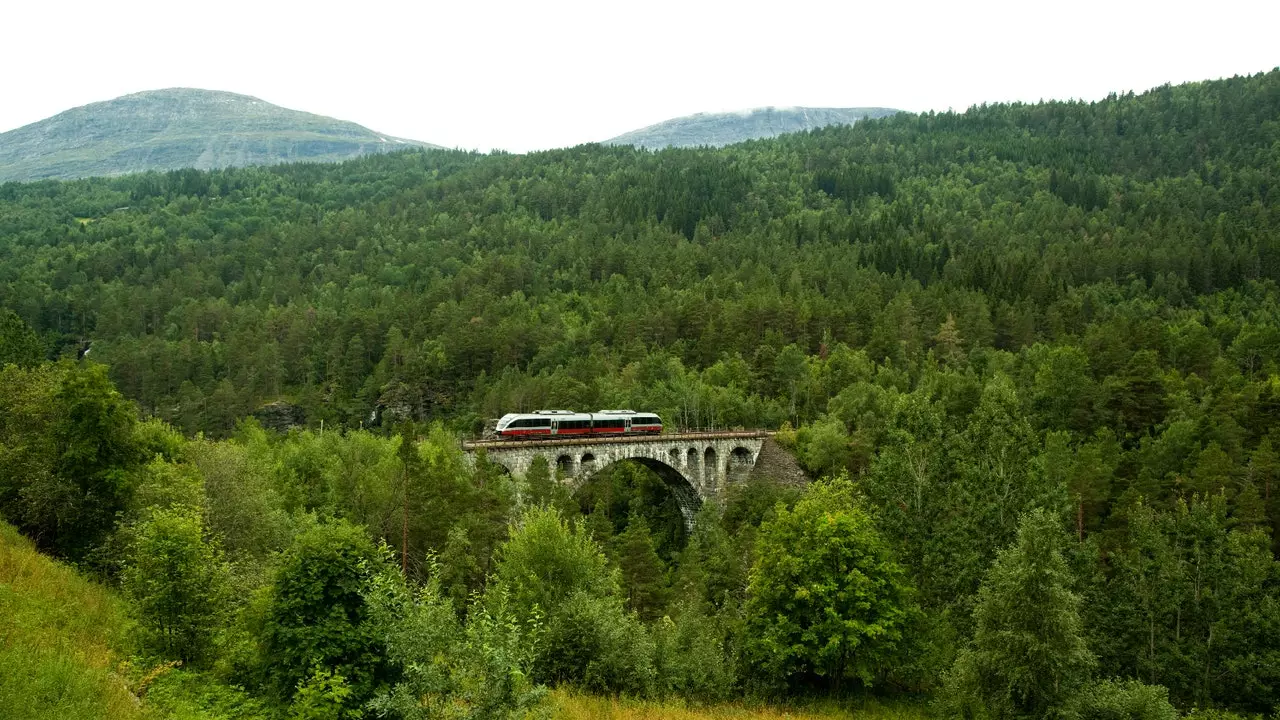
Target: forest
(1029, 355)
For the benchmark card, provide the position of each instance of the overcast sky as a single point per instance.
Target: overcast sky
(530, 75)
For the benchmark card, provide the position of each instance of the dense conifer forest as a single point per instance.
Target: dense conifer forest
(1030, 355)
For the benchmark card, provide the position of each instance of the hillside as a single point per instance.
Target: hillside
(718, 129)
(180, 128)
(59, 640)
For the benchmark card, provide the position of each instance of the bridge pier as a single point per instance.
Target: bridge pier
(696, 466)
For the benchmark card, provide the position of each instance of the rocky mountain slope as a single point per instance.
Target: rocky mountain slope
(718, 129)
(180, 128)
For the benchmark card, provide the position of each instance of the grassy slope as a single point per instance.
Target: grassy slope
(60, 640)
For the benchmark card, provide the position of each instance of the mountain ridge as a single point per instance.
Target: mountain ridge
(717, 129)
(177, 128)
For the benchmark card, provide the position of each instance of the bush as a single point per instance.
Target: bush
(554, 581)
(546, 560)
(593, 643)
(317, 615)
(1120, 700)
(324, 696)
(694, 657)
(476, 672)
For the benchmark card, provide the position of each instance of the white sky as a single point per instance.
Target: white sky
(531, 75)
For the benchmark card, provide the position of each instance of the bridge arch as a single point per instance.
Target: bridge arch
(681, 487)
(741, 461)
(565, 464)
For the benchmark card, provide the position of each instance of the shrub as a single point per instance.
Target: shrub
(1120, 700)
(317, 615)
(476, 672)
(693, 657)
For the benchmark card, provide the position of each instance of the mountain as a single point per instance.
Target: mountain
(180, 128)
(718, 129)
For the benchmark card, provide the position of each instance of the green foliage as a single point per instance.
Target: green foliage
(626, 493)
(242, 502)
(1119, 700)
(544, 488)
(1028, 653)
(324, 696)
(1189, 606)
(19, 344)
(826, 597)
(177, 582)
(711, 569)
(555, 579)
(318, 615)
(480, 671)
(69, 444)
(695, 655)
(545, 561)
(591, 642)
(644, 580)
(181, 694)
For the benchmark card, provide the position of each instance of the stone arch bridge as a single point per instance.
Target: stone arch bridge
(697, 466)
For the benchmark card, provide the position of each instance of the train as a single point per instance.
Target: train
(567, 423)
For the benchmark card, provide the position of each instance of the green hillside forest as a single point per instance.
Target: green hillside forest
(1028, 354)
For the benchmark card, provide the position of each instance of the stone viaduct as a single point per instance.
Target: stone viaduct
(696, 466)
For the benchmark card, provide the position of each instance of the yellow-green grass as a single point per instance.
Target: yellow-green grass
(60, 637)
(573, 706)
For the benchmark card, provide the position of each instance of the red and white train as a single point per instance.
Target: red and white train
(556, 423)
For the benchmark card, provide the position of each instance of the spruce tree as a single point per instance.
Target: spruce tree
(643, 575)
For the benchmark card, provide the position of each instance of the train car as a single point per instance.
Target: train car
(556, 423)
(627, 422)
